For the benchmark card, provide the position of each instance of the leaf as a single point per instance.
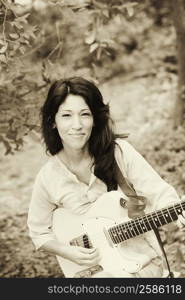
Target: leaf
(30, 32)
(17, 25)
(3, 48)
(130, 11)
(6, 145)
(13, 36)
(23, 19)
(99, 52)
(22, 49)
(93, 47)
(90, 38)
(105, 12)
(98, 4)
(16, 46)
(3, 58)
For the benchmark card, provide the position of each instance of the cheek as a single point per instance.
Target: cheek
(89, 123)
(89, 126)
(62, 129)
(62, 125)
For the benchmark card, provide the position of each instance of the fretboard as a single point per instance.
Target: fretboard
(147, 222)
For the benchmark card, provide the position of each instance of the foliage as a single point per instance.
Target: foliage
(17, 36)
(63, 38)
(165, 149)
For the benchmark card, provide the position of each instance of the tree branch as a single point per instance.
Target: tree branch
(35, 90)
(178, 12)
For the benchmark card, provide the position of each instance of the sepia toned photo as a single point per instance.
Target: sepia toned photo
(92, 139)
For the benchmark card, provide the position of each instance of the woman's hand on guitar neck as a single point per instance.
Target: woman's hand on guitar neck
(181, 220)
(81, 256)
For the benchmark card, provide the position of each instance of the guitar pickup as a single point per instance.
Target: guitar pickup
(82, 240)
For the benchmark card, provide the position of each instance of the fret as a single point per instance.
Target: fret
(129, 228)
(161, 217)
(181, 204)
(180, 209)
(132, 228)
(173, 213)
(117, 232)
(168, 216)
(176, 215)
(121, 234)
(116, 236)
(125, 232)
(143, 225)
(164, 216)
(169, 213)
(112, 235)
(147, 222)
(136, 228)
(138, 223)
(156, 219)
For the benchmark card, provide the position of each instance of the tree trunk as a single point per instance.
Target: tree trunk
(178, 12)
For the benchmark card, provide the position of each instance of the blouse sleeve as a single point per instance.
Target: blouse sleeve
(40, 214)
(145, 180)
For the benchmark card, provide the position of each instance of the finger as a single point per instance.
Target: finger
(179, 222)
(90, 262)
(181, 219)
(92, 256)
(87, 250)
(183, 213)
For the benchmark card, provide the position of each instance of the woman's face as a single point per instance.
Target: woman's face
(74, 122)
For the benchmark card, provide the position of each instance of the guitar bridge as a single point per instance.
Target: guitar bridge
(87, 273)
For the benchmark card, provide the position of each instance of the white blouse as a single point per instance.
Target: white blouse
(55, 185)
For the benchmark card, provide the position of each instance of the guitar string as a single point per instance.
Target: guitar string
(157, 213)
(126, 235)
(144, 220)
(149, 217)
(141, 221)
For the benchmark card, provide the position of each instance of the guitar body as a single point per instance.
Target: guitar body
(103, 214)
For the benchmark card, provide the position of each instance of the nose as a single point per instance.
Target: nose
(76, 124)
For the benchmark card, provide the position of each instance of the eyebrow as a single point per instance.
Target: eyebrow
(71, 110)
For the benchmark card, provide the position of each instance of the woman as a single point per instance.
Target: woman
(85, 156)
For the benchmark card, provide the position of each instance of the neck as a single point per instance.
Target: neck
(147, 222)
(75, 157)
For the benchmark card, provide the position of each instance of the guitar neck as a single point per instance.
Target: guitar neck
(147, 222)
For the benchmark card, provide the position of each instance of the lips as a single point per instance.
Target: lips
(77, 135)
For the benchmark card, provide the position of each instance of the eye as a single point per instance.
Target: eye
(66, 115)
(85, 114)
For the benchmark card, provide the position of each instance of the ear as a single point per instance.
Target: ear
(54, 126)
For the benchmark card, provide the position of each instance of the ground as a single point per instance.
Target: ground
(136, 108)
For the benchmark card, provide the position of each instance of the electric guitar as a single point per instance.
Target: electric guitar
(102, 227)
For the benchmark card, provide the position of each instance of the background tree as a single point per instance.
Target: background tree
(94, 38)
(178, 13)
(127, 47)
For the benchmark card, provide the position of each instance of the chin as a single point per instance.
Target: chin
(78, 146)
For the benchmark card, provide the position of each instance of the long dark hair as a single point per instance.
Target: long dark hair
(102, 139)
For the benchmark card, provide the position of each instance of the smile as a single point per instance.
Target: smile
(77, 135)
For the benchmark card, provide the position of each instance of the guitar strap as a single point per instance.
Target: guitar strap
(130, 192)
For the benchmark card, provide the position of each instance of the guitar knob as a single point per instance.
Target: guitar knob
(123, 202)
